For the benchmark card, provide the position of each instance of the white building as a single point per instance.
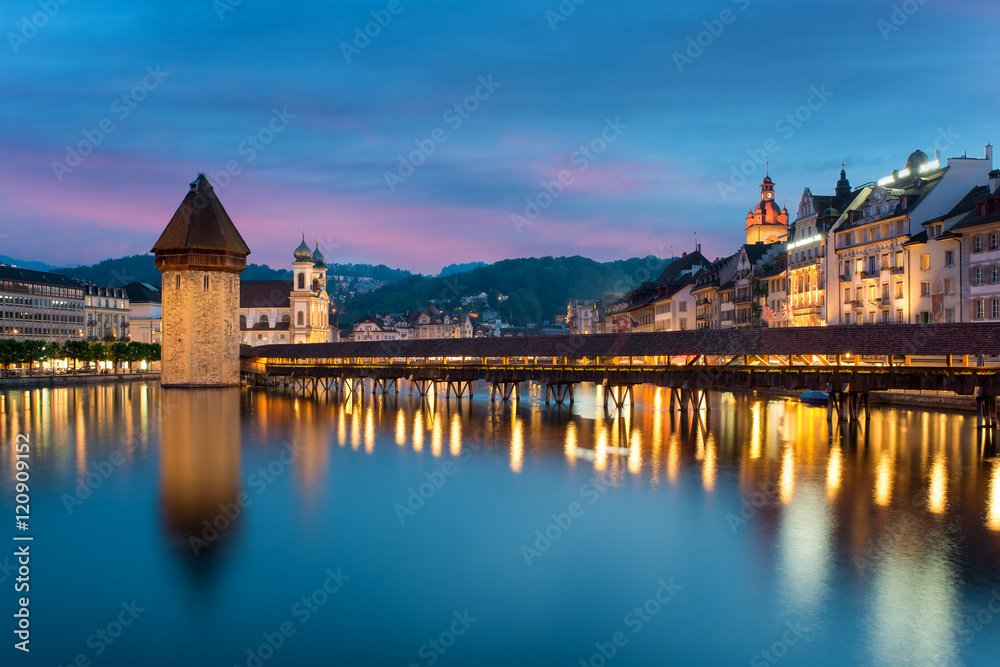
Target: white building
(145, 312)
(290, 311)
(879, 279)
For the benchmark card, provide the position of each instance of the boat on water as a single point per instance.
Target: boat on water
(814, 397)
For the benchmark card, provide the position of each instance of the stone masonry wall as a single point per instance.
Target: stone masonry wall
(201, 344)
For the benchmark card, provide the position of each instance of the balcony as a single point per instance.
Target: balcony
(866, 275)
(742, 298)
(857, 304)
(896, 270)
(703, 301)
(846, 278)
(885, 301)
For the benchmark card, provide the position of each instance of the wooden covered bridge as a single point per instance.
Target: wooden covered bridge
(846, 361)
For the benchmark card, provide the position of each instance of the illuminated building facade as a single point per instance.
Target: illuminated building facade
(38, 305)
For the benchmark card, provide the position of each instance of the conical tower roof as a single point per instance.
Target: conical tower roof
(201, 223)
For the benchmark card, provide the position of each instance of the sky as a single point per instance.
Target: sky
(416, 133)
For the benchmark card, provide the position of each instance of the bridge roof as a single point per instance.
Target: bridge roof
(886, 339)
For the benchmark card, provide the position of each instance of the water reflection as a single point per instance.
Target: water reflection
(200, 467)
(887, 531)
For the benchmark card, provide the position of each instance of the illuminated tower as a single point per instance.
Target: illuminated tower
(201, 256)
(767, 223)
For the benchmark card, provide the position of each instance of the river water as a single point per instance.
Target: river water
(256, 527)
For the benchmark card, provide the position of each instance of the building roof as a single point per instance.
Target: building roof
(919, 188)
(973, 220)
(959, 338)
(143, 293)
(265, 293)
(678, 265)
(15, 273)
(201, 223)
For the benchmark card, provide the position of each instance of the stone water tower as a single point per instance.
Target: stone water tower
(201, 256)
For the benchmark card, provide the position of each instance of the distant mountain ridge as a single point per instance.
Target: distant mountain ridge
(26, 264)
(537, 288)
(142, 268)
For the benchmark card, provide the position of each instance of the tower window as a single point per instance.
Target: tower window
(178, 286)
(302, 281)
(300, 318)
(206, 282)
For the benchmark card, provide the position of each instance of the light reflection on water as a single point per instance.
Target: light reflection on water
(882, 538)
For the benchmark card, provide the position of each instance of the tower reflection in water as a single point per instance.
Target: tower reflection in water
(200, 471)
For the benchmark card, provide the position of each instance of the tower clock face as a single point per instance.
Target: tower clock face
(769, 195)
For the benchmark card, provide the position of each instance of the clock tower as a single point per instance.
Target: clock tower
(767, 223)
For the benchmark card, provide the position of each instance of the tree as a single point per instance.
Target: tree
(76, 350)
(32, 351)
(117, 353)
(134, 352)
(54, 351)
(97, 352)
(10, 352)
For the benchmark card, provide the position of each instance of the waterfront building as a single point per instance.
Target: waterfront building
(935, 275)
(290, 311)
(370, 328)
(709, 285)
(674, 306)
(580, 317)
(39, 305)
(145, 312)
(807, 253)
(106, 312)
(979, 237)
(746, 289)
(431, 323)
(874, 274)
(774, 292)
(201, 255)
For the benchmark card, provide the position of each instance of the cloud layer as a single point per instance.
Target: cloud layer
(416, 144)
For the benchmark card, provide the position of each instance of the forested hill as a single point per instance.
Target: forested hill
(142, 268)
(537, 288)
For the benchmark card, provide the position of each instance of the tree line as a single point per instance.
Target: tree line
(537, 288)
(30, 352)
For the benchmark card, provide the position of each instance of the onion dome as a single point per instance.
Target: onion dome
(317, 256)
(830, 213)
(303, 253)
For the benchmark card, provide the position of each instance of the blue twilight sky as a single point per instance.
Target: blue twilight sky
(315, 119)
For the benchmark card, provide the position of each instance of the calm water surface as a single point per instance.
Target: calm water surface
(257, 527)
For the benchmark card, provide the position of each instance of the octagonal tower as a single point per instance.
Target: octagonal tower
(201, 256)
